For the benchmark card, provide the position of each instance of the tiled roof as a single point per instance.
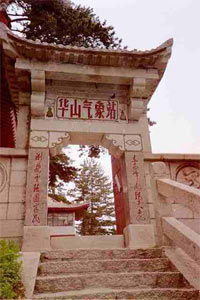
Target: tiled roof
(67, 207)
(60, 207)
(156, 57)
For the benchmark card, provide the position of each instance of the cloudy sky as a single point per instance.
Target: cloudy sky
(145, 24)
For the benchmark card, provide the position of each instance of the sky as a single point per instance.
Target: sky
(145, 24)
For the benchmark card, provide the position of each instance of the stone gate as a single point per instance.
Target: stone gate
(53, 96)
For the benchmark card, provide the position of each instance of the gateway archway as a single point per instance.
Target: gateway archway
(85, 96)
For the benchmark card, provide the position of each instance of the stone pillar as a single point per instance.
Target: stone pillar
(37, 187)
(22, 132)
(36, 231)
(139, 233)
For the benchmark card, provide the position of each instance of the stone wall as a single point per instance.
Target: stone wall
(60, 219)
(13, 173)
(181, 168)
(13, 176)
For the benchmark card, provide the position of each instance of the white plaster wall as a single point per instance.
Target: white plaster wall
(13, 171)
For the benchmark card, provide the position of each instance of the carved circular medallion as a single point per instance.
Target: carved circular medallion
(3, 177)
(189, 175)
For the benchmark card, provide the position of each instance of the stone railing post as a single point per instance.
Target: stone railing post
(162, 205)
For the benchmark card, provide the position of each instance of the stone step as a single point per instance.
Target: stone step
(134, 294)
(100, 254)
(114, 266)
(108, 280)
(87, 242)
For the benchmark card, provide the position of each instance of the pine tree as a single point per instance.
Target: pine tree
(93, 186)
(61, 172)
(62, 22)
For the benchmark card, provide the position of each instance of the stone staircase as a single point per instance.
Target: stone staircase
(110, 274)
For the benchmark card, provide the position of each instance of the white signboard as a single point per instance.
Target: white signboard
(68, 108)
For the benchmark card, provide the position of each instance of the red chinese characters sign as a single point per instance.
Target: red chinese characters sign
(68, 108)
(138, 191)
(36, 188)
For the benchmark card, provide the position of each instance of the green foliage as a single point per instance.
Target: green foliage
(60, 172)
(10, 268)
(93, 186)
(63, 22)
(59, 198)
(92, 151)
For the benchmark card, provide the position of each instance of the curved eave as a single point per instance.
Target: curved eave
(65, 208)
(77, 209)
(154, 58)
(42, 45)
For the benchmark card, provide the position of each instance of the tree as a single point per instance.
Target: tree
(92, 151)
(62, 22)
(93, 186)
(60, 172)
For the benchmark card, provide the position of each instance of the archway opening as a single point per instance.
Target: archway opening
(92, 183)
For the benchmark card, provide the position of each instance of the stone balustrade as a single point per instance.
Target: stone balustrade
(171, 231)
(181, 193)
(182, 237)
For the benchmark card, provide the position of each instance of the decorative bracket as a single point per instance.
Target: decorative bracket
(38, 93)
(58, 140)
(133, 142)
(117, 144)
(114, 143)
(136, 108)
(137, 104)
(53, 140)
(138, 88)
(39, 139)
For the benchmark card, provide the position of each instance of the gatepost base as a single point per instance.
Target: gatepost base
(139, 236)
(36, 238)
